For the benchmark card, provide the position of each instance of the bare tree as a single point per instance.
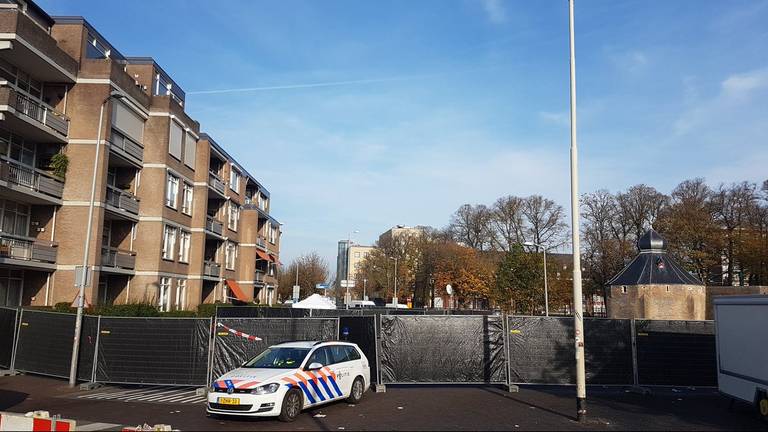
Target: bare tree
(507, 222)
(732, 206)
(470, 226)
(639, 207)
(545, 221)
(312, 270)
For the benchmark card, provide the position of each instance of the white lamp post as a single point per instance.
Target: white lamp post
(394, 298)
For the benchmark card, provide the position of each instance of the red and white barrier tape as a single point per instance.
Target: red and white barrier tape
(239, 333)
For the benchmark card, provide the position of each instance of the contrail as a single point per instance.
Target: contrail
(310, 85)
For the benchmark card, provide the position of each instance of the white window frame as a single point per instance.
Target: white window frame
(181, 294)
(172, 190)
(169, 242)
(230, 258)
(234, 180)
(187, 197)
(164, 294)
(185, 240)
(233, 216)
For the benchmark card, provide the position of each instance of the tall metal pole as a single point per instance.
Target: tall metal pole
(578, 319)
(546, 289)
(86, 251)
(394, 299)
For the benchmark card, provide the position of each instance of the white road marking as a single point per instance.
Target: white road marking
(96, 426)
(156, 394)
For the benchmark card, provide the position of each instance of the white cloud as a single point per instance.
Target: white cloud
(745, 84)
(632, 62)
(557, 118)
(495, 11)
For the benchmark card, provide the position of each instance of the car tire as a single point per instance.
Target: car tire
(293, 402)
(357, 390)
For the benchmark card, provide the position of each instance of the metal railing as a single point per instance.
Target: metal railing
(128, 146)
(211, 268)
(118, 258)
(121, 199)
(261, 242)
(42, 113)
(213, 225)
(216, 183)
(21, 175)
(258, 276)
(27, 249)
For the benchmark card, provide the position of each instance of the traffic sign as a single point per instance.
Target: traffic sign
(347, 283)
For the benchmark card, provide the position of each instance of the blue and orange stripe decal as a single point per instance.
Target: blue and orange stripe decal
(332, 377)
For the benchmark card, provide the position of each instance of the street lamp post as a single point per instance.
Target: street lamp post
(394, 298)
(365, 282)
(349, 260)
(89, 226)
(578, 319)
(546, 290)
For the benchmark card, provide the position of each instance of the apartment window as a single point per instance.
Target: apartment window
(175, 138)
(234, 180)
(164, 297)
(22, 152)
(96, 49)
(185, 239)
(186, 199)
(127, 121)
(623, 289)
(230, 254)
(272, 234)
(171, 191)
(15, 218)
(169, 242)
(357, 254)
(11, 285)
(234, 216)
(190, 150)
(181, 294)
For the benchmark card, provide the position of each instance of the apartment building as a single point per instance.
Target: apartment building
(174, 218)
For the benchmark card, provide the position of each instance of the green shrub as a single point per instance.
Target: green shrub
(64, 307)
(207, 310)
(127, 310)
(59, 165)
(179, 314)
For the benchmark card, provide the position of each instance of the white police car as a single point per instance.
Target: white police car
(289, 377)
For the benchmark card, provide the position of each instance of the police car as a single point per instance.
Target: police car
(289, 377)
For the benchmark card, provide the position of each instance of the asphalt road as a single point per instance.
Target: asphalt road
(406, 408)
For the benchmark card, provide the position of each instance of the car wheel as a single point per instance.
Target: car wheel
(356, 393)
(292, 404)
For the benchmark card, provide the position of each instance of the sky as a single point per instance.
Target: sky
(365, 115)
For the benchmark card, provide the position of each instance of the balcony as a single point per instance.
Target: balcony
(30, 250)
(23, 179)
(127, 149)
(118, 258)
(122, 202)
(215, 183)
(214, 226)
(211, 269)
(31, 118)
(258, 277)
(261, 242)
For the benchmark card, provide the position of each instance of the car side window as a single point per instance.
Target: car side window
(321, 355)
(343, 353)
(352, 353)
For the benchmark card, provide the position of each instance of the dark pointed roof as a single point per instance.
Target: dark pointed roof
(653, 265)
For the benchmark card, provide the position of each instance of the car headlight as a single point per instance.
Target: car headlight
(213, 388)
(265, 389)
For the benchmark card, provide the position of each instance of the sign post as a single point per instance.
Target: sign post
(296, 293)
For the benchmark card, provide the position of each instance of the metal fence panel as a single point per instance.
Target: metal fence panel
(542, 351)
(361, 330)
(233, 347)
(442, 349)
(88, 334)
(45, 343)
(7, 335)
(676, 353)
(260, 312)
(170, 351)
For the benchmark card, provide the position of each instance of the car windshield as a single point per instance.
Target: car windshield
(279, 358)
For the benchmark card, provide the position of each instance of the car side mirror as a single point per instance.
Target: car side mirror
(314, 366)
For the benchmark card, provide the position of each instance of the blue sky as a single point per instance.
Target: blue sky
(455, 101)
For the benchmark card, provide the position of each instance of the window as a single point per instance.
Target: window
(11, 284)
(175, 137)
(172, 191)
(169, 242)
(234, 180)
(272, 234)
(125, 120)
(186, 199)
(22, 152)
(185, 239)
(623, 289)
(164, 297)
(234, 216)
(321, 355)
(15, 218)
(181, 294)
(343, 353)
(279, 358)
(96, 49)
(357, 254)
(190, 149)
(230, 253)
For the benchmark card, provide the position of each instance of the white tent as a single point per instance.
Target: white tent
(315, 301)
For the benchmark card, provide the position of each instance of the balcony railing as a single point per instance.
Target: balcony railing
(258, 277)
(261, 242)
(118, 258)
(27, 249)
(214, 226)
(128, 146)
(21, 175)
(211, 268)
(42, 113)
(123, 200)
(216, 183)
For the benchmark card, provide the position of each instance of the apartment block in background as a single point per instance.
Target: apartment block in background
(176, 220)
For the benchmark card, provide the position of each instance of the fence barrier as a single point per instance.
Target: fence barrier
(237, 340)
(8, 326)
(402, 349)
(442, 349)
(169, 351)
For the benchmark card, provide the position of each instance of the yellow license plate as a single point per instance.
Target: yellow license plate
(229, 401)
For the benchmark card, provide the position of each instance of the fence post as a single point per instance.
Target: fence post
(211, 349)
(512, 388)
(96, 350)
(19, 317)
(635, 375)
(380, 388)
